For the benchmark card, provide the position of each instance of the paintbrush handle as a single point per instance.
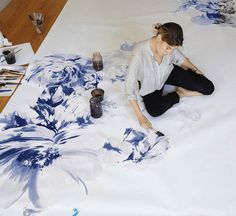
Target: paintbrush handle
(9, 83)
(13, 72)
(30, 17)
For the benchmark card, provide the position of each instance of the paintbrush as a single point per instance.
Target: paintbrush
(4, 70)
(157, 132)
(9, 78)
(8, 83)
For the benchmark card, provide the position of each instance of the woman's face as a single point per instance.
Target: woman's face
(163, 48)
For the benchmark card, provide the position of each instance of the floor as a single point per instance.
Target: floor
(16, 26)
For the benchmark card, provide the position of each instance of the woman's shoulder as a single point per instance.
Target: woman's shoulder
(142, 46)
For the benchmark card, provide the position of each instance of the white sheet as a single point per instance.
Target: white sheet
(197, 176)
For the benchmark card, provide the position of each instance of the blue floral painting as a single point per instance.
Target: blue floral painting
(56, 132)
(211, 11)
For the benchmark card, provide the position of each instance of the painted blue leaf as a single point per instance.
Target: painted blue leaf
(20, 138)
(109, 147)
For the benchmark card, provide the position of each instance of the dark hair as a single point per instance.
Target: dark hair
(171, 33)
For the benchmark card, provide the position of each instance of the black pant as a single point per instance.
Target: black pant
(156, 103)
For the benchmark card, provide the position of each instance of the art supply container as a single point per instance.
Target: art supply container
(9, 55)
(95, 107)
(98, 92)
(97, 61)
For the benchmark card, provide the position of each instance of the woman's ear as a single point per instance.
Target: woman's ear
(159, 37)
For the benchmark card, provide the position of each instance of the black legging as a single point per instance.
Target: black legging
(156, 103)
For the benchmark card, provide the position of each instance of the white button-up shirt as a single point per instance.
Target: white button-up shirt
(144, 68)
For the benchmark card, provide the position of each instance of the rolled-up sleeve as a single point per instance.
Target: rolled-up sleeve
(178, 57)
(131, 81)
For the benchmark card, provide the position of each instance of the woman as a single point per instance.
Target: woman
(156, 62)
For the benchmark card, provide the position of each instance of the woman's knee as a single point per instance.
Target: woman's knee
(204, 85)
(154, 112)
(211, 88)
(208, 88)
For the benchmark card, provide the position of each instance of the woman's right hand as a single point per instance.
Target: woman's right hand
(144, 122)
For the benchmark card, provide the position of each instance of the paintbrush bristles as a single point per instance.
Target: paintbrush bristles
(37, 20)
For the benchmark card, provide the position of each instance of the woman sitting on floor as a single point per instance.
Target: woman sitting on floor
(156, 62)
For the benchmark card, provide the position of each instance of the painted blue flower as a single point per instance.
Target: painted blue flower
(71, 71)
(27, 147)
(212, 11)
(30, 144)
(138, 146)
(144, 146)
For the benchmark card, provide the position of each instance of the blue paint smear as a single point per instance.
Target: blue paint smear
(142, 149)
(84, 121)
(13, 121)
(109, 147)
(138, 136)
(34, 158)
(130, 157)
(211, 11)
(5, 90)
(30, 212)
(62, 137)
(22, 139)
(75, 212)
(27, 128)
(127, 46)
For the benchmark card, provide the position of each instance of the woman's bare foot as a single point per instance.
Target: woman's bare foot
(186, 93)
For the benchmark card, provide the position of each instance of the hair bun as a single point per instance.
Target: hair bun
(157, 26)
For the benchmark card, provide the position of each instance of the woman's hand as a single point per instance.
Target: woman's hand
(144, 122)
(187, 64)
(198, 71)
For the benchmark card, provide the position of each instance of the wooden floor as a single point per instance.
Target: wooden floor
(16, 26)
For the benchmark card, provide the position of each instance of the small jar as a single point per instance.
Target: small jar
(9, 55)
(95, 107)
(97, 61)
(98, 92)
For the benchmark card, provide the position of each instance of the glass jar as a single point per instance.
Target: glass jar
(97, 61)
(95, 107)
